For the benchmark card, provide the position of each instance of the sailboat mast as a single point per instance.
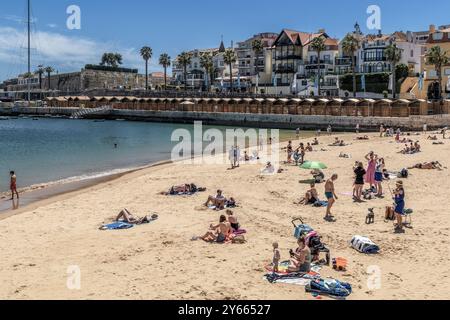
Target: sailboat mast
(29, 50)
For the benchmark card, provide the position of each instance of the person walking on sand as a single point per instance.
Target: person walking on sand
(330, 130)
(360, 172)
(330, 194)
(13, 185)
(381, 131)
(357, 128)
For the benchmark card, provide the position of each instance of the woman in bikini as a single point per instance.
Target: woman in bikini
(218, 233)
(301, 259)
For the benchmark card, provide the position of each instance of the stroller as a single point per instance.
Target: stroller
(313, 240)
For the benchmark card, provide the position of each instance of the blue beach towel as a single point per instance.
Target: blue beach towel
(319, 204)
(332, 288)
(117, 226)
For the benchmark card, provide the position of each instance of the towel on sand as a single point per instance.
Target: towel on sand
(117, 226)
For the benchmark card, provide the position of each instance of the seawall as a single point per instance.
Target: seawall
(279, 121)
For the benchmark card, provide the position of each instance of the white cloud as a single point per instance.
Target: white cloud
(52, 25)
(65, 53)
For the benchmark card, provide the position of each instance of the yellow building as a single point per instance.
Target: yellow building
(438, 37)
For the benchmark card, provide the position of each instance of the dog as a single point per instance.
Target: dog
(370, 217)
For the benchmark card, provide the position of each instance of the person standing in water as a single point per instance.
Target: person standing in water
(13, 185)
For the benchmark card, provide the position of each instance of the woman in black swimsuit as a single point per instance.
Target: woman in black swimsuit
(360, 172)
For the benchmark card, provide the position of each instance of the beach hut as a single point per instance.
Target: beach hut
(335, 106)
(61, 102)
(246, 105)
(292, 106)
(306, 106)
(350, 107)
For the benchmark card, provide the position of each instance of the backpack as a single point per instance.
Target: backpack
(364, 245)
(404, 174)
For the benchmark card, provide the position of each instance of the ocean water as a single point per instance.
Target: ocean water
(48, 150)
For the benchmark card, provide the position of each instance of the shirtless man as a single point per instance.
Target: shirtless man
(13, 185)
(128, 217)
(218, 201)
(331, 196)
(218, 233)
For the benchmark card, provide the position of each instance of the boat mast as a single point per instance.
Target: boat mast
(29, 51)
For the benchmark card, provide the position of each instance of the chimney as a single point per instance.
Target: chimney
(321, 30)
(432, 28)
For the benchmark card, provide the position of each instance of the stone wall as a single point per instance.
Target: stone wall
(251, 120)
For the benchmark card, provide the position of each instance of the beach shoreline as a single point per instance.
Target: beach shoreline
(64, 232)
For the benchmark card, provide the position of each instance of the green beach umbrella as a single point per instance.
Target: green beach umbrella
(313, 165)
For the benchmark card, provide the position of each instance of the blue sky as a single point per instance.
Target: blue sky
(176, 25)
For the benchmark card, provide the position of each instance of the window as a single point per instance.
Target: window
(412, 53)
(447, 71)
(438, 36)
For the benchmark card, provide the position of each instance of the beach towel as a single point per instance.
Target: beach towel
(320, 204)
(329, 287)
(117, 226)
(364, 245)
(296, 278)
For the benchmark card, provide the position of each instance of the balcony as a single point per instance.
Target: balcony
(374, 59)
(287, 57)
(343, 61)
(284, 69)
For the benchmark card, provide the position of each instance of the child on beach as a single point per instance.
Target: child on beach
(13, 185)
(276, 257)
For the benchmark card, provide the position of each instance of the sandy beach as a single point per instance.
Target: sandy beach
(159, 260)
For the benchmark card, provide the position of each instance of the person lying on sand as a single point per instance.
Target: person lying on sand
(432, 138)
(126, 216)
(301, 258)
(218, 233)
(184, 189)
(311, 196)
(363, 138)
(338, 143)
(435, 165)
(218, 201)
(233, 220)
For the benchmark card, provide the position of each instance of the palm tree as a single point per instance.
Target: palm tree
(350, 45)
(146, 54)
(206, 62)
(318, 45)
(184, 59)
(393, 55)
(438, 58)
(111, 59)
(164, 61)
(49, 71)
(258, 48)
(229, 58)
(40, 71)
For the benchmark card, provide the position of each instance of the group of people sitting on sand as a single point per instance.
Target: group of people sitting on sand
(222, 232)
(412, 148)
(220, 202)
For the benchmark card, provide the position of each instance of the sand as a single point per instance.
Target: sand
(159, 261)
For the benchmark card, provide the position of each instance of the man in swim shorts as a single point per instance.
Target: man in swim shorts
(13, 185)
(330, 195)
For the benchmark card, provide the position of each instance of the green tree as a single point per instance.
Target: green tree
(111, 59)
(393, 56)
(146, 54)
(164, 61)
(318, 45)
(350, 45)
(207, 63)
(40, 71)
(229, 58)
(402, 71)
(437, 58)
(184, 59)
(49, 71)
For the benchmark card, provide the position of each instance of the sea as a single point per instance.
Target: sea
(45, 151)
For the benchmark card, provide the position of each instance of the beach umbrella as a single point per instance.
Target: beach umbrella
(313, 165)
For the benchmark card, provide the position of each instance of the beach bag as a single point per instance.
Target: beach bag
(300, 229)
(240, 239)
(330, 287)
(404, 174)
(390, 214)
(364, 245)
